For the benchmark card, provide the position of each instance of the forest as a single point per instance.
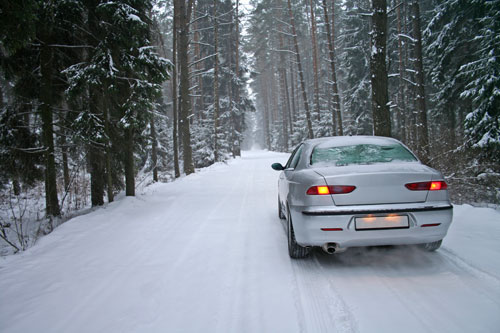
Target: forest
(100, 98)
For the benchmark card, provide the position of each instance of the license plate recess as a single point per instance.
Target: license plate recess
(382, 222)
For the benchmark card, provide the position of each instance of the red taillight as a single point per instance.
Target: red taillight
(332, 189)
(315, 190)
(323, 189)
(440, 185)
(427, 186)
(331, 229)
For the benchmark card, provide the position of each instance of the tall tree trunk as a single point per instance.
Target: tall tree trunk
(330, 31)
(232, 134)
(182, 57)
(283, 92)
(287, 98)
(66, 176)
(154, 149)
(285, 102)
(380, 98)
(315, 60)
(274, 93)
(175, 108)
(64, 150)
(95, 154)
(267, 134)
(402, 81)
(196, 100)
(109, 171)
(238, 129)
(46, 101)
(229, 85)
(409, 94)
(293, 111)
(109, 176)
(216, 83)
(96, 176)
(422, 131)
(301, 74)
(129, 162)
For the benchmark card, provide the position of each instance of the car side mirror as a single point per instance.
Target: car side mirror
(277, 166)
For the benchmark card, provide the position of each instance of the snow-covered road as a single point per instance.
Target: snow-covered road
(207, 253)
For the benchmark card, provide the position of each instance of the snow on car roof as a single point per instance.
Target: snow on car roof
(351, 140)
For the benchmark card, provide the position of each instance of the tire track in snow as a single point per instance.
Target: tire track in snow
(417, 292)
(227, 319)
(403, 297)
(459, 262)
(345, 317)
(299, 310)
(488, 285)
(199, 226)
(323, 308)
(168, 230)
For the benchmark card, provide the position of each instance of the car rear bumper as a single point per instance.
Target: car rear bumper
(427, 223)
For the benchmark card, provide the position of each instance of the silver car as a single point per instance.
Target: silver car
(340, 192)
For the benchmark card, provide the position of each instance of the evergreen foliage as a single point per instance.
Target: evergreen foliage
(101, 55)
(483, 76)
(354, 66)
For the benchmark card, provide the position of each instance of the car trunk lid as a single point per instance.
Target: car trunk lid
(378, 183)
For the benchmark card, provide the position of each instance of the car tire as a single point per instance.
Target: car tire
(280, 211)
(295, 250)
(432, 246)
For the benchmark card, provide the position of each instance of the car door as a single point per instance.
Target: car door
(287, 175)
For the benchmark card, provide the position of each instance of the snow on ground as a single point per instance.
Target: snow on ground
(208, 253)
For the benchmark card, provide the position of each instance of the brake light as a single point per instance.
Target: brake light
(427, 186)
(323, 190)
(331, 189)
(436, 186)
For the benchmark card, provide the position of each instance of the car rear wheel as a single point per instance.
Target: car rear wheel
(280, 211)
(432, 246)
(295, 250)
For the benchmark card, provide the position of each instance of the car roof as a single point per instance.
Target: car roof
(351, 140)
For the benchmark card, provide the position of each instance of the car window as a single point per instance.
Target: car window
(361, 154)
(294, 159)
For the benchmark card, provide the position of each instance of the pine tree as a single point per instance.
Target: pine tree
(483, 76)
(448, 39)
(354, 66)
(123, 61)
(50, 23)
(18, 162)
(217, 83)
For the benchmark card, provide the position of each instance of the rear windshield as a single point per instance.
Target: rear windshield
(360, 154)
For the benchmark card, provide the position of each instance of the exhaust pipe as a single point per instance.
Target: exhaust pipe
(330, 248)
